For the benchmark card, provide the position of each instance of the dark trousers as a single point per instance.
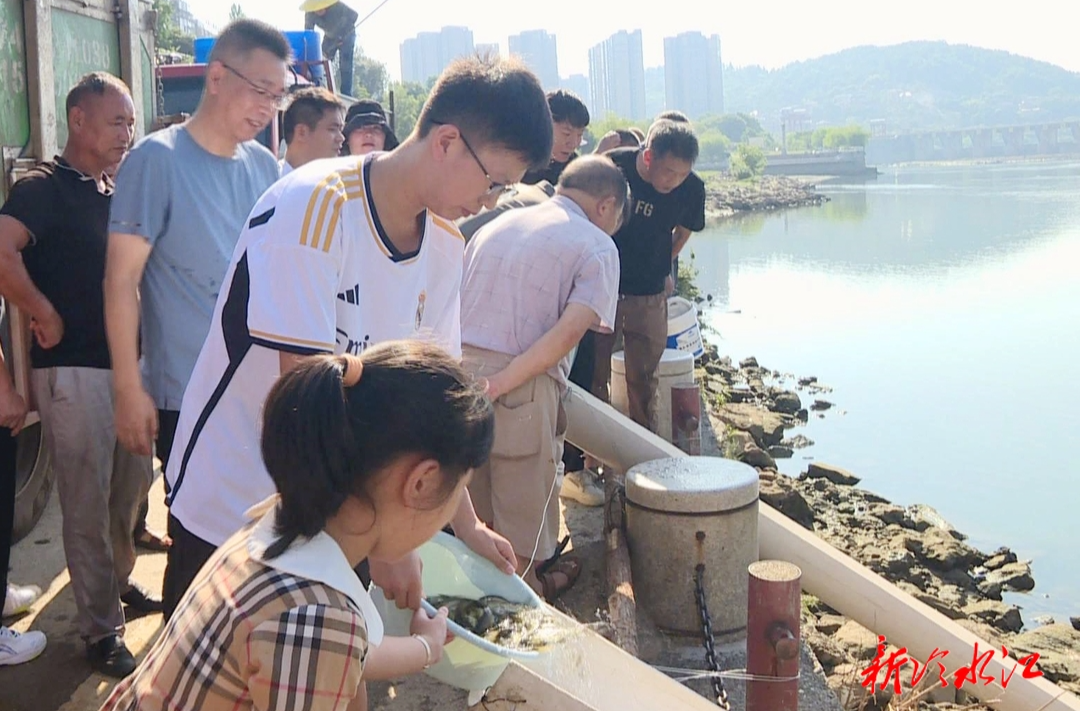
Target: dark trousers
(167, 420)
(581, 374)
(343, 54)
(187, 555)
(7, 505)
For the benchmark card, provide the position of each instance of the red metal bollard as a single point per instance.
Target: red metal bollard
(772, 635)
(686, 417)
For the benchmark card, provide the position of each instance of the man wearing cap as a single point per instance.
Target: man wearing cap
(338, 23)
(367, 130)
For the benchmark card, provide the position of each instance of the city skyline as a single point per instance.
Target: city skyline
(749, 38)
(694, 74)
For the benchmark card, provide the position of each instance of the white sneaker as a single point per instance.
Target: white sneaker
(19, 599)
(582, 487)
(17, 648)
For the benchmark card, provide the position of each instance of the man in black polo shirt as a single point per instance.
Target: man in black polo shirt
(666, 195)
(56, 220)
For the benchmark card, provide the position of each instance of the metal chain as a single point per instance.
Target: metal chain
(710, 644)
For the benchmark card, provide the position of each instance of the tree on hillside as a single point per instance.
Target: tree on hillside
(409, 98)
(168, 37)
(910, 85)
(598, 126)
(370, 77)
(830, 138)
(747, 162)
(236, 12)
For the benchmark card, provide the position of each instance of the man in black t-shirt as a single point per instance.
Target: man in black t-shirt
(666, 195)
(53, 237)
(569, 119)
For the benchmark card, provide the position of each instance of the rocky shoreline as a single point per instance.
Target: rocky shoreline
(752, 409)
(726, 197)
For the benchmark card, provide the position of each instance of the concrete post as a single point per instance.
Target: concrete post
(686, 417)
(772, 635)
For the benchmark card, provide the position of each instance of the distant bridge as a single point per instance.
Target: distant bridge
(1041, 139)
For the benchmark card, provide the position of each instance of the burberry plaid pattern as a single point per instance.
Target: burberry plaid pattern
(247, 636)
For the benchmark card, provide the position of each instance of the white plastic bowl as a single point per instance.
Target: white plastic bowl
(451, 568)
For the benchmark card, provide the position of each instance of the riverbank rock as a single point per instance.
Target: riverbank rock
(1012, 576)
(767, 428)
(775, 491)
(996, 614)
(836, 475)
(757, 457)
(1058, 647)
(786, 402)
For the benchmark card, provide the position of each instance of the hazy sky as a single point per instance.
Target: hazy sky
(767, 33)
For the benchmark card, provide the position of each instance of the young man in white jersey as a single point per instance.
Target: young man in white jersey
(335, 257)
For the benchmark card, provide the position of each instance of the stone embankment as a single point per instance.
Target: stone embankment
(752, 408)
(726, 197)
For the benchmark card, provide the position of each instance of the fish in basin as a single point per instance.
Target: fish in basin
(508, 624)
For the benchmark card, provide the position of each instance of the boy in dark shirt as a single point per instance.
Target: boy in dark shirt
(666, 195)
(569, 119)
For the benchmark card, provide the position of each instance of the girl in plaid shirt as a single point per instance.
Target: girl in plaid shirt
(370, 456)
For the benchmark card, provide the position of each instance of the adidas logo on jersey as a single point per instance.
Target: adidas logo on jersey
(351, 296)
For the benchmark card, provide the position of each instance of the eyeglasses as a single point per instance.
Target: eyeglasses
(275, 100)
(494, 189)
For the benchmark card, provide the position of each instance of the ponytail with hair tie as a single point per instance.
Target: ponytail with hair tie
(351, 370)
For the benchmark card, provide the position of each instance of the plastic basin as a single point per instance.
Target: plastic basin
(451, 568)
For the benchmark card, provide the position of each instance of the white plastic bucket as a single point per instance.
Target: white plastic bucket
(683, 332)
(451, 568)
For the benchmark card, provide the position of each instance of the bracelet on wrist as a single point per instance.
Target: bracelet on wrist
(427, 649)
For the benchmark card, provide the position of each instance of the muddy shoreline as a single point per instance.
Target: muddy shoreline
(726, 197)
(756, 413)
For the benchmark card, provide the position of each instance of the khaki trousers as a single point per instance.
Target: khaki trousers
(517, 491)
(642, 323)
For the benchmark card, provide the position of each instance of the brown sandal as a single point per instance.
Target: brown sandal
(150, 541)
(551, 589)
(555, 565)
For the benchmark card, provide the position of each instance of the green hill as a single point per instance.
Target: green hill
(910, 85)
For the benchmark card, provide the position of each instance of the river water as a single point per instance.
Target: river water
(943, 307)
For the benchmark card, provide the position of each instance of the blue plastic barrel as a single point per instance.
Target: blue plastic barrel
(306, 47)
(203, 45)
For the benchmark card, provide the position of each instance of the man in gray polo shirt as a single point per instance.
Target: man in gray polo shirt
(536, 279)
(181, 199)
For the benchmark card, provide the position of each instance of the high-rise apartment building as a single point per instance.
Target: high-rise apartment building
(693, 74)
(537, 49)
(617, 76)
(427, 54)
(579, 85)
